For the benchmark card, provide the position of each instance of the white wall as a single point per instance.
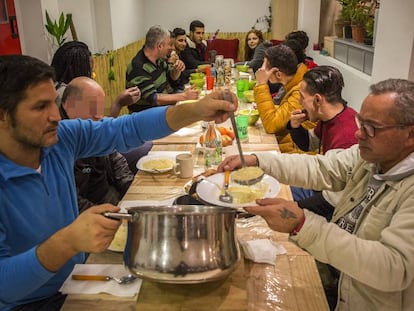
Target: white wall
(127, 18)
(394, 40)
(310, 8)
(83, 15)
(227, 15)
(103, 26)
(31, 31)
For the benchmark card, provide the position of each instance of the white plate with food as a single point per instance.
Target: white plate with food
(210, 188)
(155, 164)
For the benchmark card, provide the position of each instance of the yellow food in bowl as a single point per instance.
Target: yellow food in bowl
(246, 194)
(253, 115)
(158, 164)
(249, 95)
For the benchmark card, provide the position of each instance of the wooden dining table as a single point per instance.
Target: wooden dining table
(291, 283)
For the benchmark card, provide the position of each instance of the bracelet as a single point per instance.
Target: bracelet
(296, 230)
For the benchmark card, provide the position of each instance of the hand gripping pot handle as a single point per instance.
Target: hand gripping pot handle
(120, 216)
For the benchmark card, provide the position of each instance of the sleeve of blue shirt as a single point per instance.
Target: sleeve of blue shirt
(22, 276)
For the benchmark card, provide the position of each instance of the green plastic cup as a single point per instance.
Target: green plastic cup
(242, 122)
(241, 87)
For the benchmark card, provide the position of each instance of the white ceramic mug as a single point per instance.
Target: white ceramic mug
(184, 165)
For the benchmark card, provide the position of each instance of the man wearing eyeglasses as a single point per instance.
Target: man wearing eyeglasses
(370, 239)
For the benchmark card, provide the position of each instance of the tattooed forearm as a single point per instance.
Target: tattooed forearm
(285, 214)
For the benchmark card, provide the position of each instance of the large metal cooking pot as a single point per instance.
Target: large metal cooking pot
(181, 243)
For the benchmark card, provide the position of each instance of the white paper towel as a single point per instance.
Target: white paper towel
(262, 250)
(96, 287)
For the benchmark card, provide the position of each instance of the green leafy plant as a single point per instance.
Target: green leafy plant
(111, 73)
(58, 29)
(369, 27)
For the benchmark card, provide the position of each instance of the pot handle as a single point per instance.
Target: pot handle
(120, 216)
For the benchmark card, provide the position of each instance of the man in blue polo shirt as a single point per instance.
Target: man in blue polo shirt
(42, 236)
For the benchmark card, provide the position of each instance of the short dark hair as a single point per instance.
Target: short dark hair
(299, 35)
(282, 57)
(178, 32)
(72, 60)
(297, 48)
(17, 74)
(404, 99)
(195, 24)
(327, 81)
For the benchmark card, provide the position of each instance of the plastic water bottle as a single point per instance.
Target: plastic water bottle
(213, 148)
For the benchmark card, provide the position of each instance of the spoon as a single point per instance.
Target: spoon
(122, 280)
(227, 96)
(226, 196)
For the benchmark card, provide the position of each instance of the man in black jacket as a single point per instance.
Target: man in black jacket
(194, 53)
(98, 179)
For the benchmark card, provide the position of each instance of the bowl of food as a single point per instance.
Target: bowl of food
(242, 68)
(197, 75)
(253, 115)
(249, 95)
(198, 83)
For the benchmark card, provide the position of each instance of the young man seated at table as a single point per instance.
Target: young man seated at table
(195, 51)
(102, 179)
(321, 96)
(369, 241)
(280, 65)
(156, 79)
(42, 234)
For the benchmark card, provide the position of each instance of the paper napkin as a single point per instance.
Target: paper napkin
(96, 287)
(262, 250)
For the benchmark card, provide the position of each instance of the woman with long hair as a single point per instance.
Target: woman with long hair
(254, 49)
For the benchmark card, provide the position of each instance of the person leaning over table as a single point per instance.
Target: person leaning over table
(254, 49)
(280, 65)
(370, 239)
(321, 97)
(42, 236)
(151, 73)
(102, 179)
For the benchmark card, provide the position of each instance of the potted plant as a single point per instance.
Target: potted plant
(343, 22)
(58, 29)
(369, 30)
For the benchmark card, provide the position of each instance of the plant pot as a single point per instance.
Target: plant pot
(358, 33)
(347, 31)
(368, 40)
(339, 29)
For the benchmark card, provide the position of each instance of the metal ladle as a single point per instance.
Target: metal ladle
(227, 96)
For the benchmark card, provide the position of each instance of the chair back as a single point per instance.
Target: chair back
(227, 47)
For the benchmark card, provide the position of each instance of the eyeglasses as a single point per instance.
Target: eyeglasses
(370, 129)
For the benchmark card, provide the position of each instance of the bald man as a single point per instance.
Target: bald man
(98, 179)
